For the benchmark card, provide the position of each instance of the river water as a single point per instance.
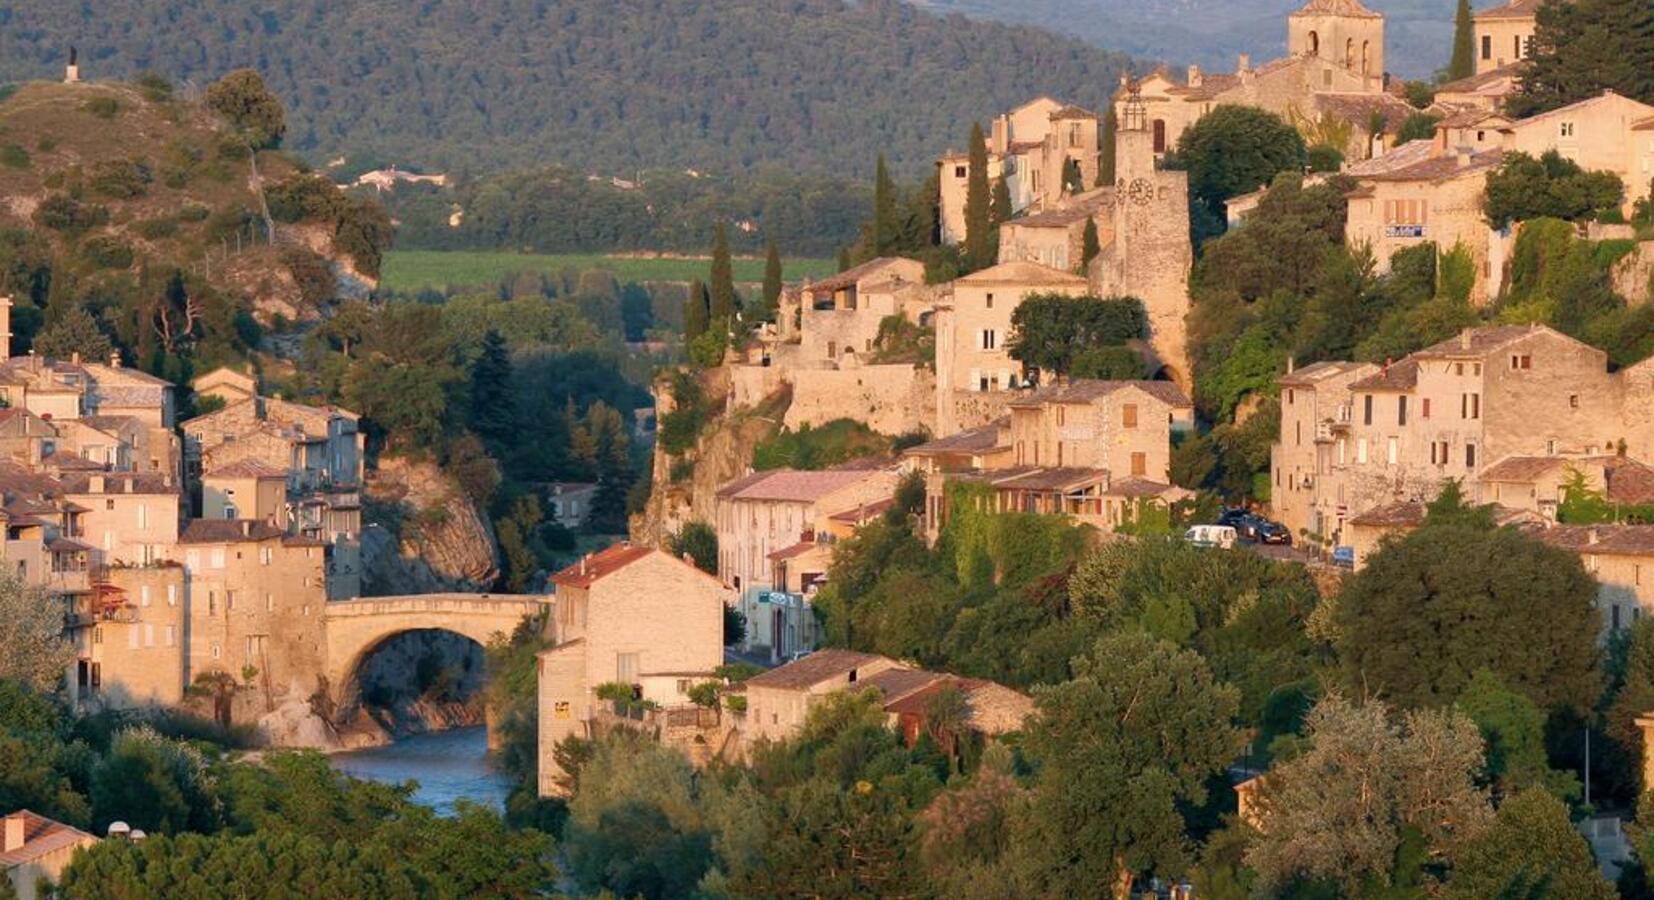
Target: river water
(449, 766)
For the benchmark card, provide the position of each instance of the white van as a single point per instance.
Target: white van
(1211, 536)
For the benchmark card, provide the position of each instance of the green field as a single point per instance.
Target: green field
(413, 270)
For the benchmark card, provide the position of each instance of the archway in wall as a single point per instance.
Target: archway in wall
(413, 680)
(1314, 44)
(1349, 53)
(1366, 58)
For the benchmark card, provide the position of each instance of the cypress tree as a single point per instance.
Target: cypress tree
(1089, 246)
(1106, 150)
(723, 277)
(1463, 63)
(772, 280)
(493, 410)
(1001, 210)
(978, 214)
(884, 211)
(844, 259)
(695, 313)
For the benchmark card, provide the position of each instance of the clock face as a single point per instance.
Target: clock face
(1141, 191)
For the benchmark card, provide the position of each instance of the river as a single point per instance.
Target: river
(449, 766)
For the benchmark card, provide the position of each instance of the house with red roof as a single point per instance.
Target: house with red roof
(34, 848)
(631, 616)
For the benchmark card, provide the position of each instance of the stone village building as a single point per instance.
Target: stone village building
(34, 848)
(1028, 148)
(630, 615)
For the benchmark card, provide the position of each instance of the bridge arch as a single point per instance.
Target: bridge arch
(356, 628)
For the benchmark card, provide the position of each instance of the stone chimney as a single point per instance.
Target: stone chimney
(1243, 64)
(246, 527)
(95, 484)
(115, 359)
(17, 830)
(1291, 364)
(74, 357)
(71, 72)
(1194, 76)
(1464, 339)
(1591, 537)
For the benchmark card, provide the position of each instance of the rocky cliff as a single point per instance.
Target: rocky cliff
(422, 533)
(723, 452)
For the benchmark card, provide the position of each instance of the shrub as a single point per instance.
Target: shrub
(311, 273)
(1324, 158)
(14, 156)
(194, 212)
(120, 179)
(300, 197)
(102, 107)
(232, 148)
(46, 144)
(107, 252)
(60, 212)
(156, 89)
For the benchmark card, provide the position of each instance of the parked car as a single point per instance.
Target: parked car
(1260, 530)
(1343, 557)
(1211, 536)
(1233, 516)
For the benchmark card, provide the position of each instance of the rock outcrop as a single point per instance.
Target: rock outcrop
(422, 533)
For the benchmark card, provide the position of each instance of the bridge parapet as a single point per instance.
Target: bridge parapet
(493, 604)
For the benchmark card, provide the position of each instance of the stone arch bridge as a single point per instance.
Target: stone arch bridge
(355, 628)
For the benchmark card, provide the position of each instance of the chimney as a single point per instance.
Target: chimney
(1194, 76)
(74, 358)
(246, 527)
(1464, 157)
(16, 832)
(115, 359)
(5, 328)
(1243, 65)
(95, 484)
(1290, 365)
(1591, 537)
(1464, 339)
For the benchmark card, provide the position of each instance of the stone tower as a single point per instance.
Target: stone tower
(1150, 255)
(1343, 32)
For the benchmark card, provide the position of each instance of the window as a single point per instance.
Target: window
(1139, 464)
(143, 595)
(172, 595)
(1367, 410)
(215, 651)
(1550, 447)
(1616, 616)
(1290, 396)
(218, 558)
(1401, 410)
(1361, 451)
(990, 301)
(149, 634)
(1573, 401)
(1487, 46)
(1567, 129)
(1128, 415)
(959, 171)
(1523, 361)
(561, 709)
(1391, 454)
(626, 668)
(212, 603)
(1160, 135)
(1470, 456)
(171, 635)
(269, 602)
(1424, 408)
(108, 504)
(143, 515)
(1475, 406)
(684, 684)
(990, 340)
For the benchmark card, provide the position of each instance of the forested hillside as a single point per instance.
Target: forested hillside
(603, 85)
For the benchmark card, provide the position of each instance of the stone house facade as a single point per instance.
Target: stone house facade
(1028, 147)
(1504, 34)
(130, 518)
(631, 615)
(1395, 433)
(34, 848)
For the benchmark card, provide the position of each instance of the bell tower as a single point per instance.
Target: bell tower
(1133, 142)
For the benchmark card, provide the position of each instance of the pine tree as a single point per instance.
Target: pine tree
(493, 407)
(723, 278)
(1089, 246)
(772, 281)
(978, 197)
(1585, 47)
(695, 311)
(1106, 151)
(1463, 63)
(884, 211)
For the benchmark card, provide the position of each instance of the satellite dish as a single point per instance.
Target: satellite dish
(119, 829)
(138, 835)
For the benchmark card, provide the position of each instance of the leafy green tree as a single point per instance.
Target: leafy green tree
(241, 97)
(1463, 63)
(1456, 596)
(1089, 246)
(1514, 731)
(1048, 329)
(1530, 850)
(1234, 150)
(1341, 812)
(1108, 363)
(1119, 749)
(1524, 188)
(153, 783)
(635, 825)
(698, 541)
(979, 221)
(1580, 50)
(33, 652)
(722, 285)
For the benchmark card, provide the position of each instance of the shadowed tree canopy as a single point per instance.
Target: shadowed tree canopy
(1233, 150)
(1048, 331)
(1585, 47)
(1458, 595)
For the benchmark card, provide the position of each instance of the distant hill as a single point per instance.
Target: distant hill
(601, 85)
(1418, 33)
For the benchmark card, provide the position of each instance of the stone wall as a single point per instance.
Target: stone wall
(890, 399)
(423, 534)
(1634, 275)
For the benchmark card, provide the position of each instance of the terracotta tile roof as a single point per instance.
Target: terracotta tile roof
(1306, 376)
(63, 459)
(972, 440)
(1401, 376)
(40, 837)
(1514, 9)
(1337, 8)
(1072, 112)
(1521, 468)
(1359, 108)
(900, 682)
(822, 665)
(117, 482)
(1057, 478)
(1439, 167)
(795, 551)
(1629, 481)
(247, 468)
(993, 708)
(1087, 390)
(788, 485)
(1137, 487)
(850, 276)
(1405, 514)
(1022, 272)
(227, 531)
(1608, 540)
(1480, 342)
(1019, 147)
(1474, 83)
(864, 512)
(589, 569)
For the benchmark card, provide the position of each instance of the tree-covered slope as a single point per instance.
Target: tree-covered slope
(605, 85)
